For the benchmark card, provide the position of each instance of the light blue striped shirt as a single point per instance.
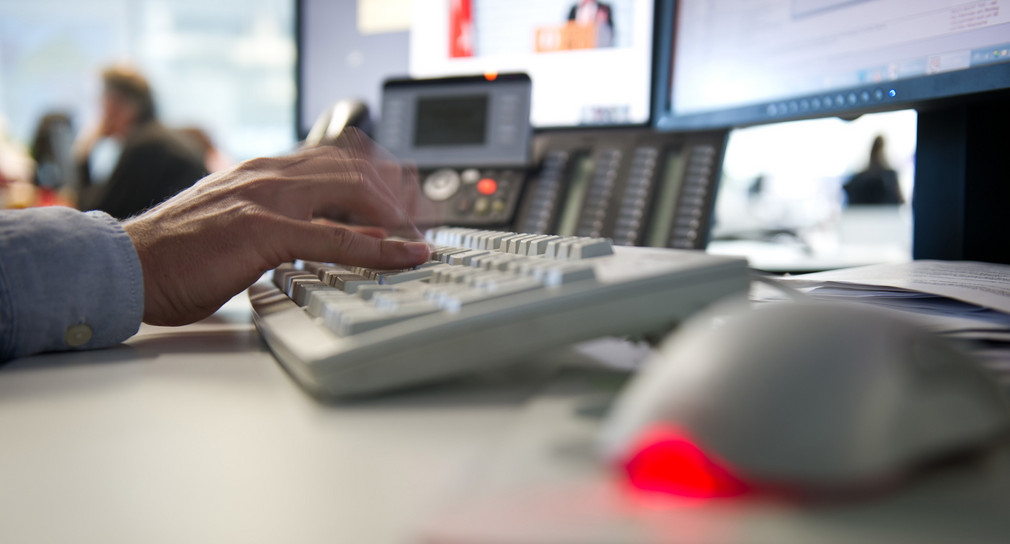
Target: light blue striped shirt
(68, 280)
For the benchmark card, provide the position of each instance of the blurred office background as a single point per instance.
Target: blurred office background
(225, 66)
(229, 67)
(782, 201)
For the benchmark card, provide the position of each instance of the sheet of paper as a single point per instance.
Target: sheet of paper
(984, 284)
(968, 302)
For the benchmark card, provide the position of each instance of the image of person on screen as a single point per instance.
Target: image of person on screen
(878, 183)
(591, 12)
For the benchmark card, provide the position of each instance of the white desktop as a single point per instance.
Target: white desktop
(196, 434)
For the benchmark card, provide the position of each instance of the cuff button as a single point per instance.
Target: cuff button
(78, 335)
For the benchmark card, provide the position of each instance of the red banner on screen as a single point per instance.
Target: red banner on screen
(460, 29)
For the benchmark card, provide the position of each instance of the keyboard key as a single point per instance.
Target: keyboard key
(539, 246)
(568, 273)
(318, 298)
(465, 257)
(283, 281)
(392, 300)
(515, 243)
(401, 276)
(303, 288)
(553, 249)
(333, 310)
(455, 296)
(347, 281)
(356, 322)
(366, 292)
(592, 247)
(279, 272)
(296, 281)
(444, 253)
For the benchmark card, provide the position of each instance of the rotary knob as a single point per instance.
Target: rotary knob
(441, 184)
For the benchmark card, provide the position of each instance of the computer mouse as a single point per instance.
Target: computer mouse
(799, 396)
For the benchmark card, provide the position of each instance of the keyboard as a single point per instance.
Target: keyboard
(485, 298)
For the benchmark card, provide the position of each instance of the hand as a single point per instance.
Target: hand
(211, 241)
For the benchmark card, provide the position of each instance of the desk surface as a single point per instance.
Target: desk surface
(197, 435)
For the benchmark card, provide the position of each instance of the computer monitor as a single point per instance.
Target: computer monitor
(345, 52)
(731, 63)
(590, 62)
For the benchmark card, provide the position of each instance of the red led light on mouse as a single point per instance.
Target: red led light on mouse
(666, 460)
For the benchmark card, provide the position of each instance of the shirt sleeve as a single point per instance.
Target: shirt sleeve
(68, 280)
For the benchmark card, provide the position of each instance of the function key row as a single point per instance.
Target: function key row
(347, 302)
(533, 245)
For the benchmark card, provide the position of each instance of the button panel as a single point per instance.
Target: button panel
(694, 198)
(634, 186)
(471, 196)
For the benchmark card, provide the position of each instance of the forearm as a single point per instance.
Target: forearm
(68, 280)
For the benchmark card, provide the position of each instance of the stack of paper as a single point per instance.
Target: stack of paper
(968, 301)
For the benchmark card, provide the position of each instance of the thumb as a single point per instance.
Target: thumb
(337, 244)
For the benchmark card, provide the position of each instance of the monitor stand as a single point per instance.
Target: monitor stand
(961, 197)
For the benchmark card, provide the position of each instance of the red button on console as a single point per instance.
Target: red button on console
(487, 186)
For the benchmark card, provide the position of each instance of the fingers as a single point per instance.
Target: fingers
(295, 239)
(355, 183)
(349, 197)
(333, 159)
(374, 232)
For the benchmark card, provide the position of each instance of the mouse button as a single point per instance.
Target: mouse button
(785, 428)
(943, 425)
(681, 380)
(957, 407)
(939, 363)
(814, 423)
(663, 381)
(798, 444)
(944, 369)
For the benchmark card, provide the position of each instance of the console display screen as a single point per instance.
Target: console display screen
(451, 120)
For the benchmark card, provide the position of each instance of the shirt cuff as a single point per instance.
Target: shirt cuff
(68, 280)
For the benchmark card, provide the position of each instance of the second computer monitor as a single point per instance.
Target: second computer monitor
(734, 62)
(731, 63)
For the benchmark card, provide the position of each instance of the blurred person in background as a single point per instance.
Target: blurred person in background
(878, 183)
(16, 172)
(154, 163)
(214, 160)
(52, 150)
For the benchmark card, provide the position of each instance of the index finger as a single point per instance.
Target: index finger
(351, 191)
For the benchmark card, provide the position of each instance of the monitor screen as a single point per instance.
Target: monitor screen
(590, 62)
(735, 62)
